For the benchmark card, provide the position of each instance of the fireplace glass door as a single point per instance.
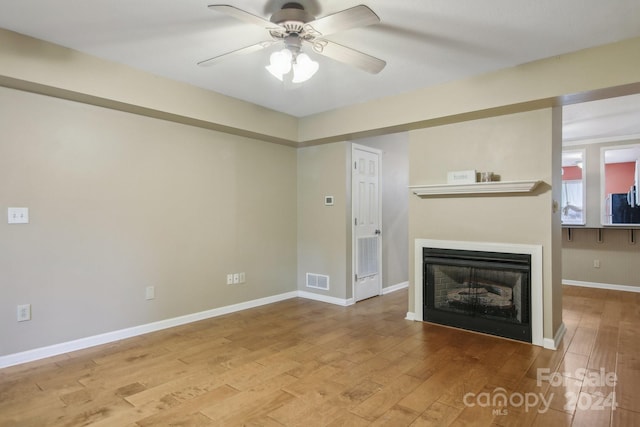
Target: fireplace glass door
(487, 292)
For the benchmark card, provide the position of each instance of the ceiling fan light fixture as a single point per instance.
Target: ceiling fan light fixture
(304, 68)
(280, 63)
(283, 61)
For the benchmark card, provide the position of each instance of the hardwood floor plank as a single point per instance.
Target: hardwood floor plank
(430, 390)
(562, 396)
(396, 416)
(437, 415)
(553, 418)
(311, 382)
(472, 381)
(474, 416)
(43, 409)
(590, 412)
(353, 396)
(182, 387)
(256, 402)
(628, 386)
(605, 349)
(573, 365)
(625, 418)
(583, 341)
(388, 396)
(188, 412)
(512, 371)
(318, 405)
(546, 359)
(348, 419)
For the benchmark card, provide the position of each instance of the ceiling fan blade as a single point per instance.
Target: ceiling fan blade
(358, 16)
(349, 56)
(243, 51)
(244, 16)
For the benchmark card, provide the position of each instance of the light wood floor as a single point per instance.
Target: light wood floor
(301, 362)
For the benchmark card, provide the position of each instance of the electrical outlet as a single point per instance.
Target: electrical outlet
(242, 277)
(596, 263)
(236, 278)
(24, 312)
(229, 279)
(18, 215)
(150, 292)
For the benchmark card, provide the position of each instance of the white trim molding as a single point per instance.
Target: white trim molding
(326, 298)
(394, 288)
(475, 188)
(553, 344)
(608, 286)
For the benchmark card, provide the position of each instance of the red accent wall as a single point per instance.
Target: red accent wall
(571, 173)
(619, 177)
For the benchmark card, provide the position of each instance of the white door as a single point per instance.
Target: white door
(367, 209)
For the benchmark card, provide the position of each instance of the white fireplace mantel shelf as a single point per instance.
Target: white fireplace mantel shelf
(475, 188)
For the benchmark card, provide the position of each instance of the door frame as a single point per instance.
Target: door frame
(378, 152)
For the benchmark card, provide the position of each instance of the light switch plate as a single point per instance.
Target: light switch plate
(24, 312)
(18, 215)
(150, 292)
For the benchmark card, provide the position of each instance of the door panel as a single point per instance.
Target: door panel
(366, 222)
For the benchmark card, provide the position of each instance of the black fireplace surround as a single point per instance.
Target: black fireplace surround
(487, 292)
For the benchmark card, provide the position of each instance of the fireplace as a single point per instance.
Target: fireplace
(482, 291)
(495, 288)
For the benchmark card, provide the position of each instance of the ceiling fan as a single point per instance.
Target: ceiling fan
(294, 26)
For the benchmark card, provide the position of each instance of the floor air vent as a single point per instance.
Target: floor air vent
(317, 281)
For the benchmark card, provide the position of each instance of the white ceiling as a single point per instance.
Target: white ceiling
(425, 42)
(602, 121)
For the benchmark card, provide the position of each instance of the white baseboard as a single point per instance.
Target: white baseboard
(82, 343)
(411, 316)
(624, 288)
(350, 301)
(553, 344)
(325, 298)
(396, 287)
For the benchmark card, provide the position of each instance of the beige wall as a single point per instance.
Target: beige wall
(517, 147)
(617, 255)
(119, 202)
(323, 236)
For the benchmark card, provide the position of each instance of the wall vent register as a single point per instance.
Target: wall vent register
(318, 281)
